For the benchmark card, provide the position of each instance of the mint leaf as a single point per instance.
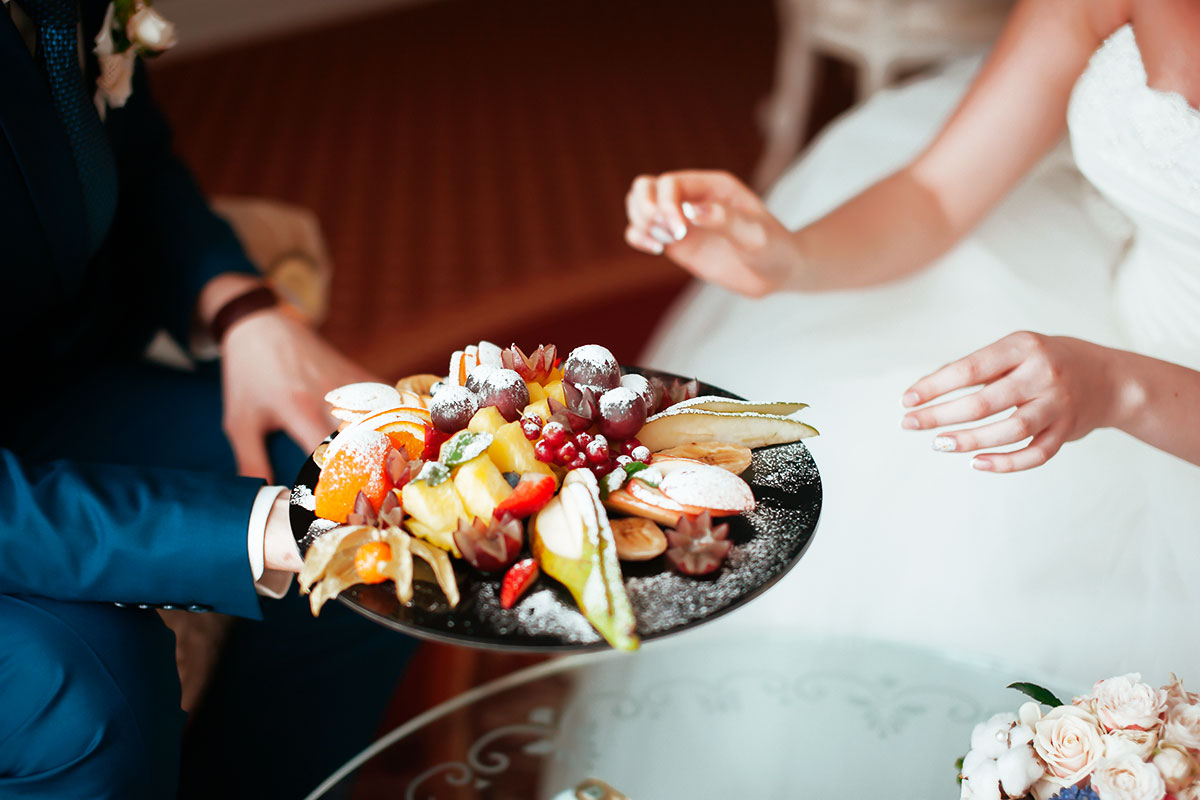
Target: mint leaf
(465, 445)
(1038, 693)
(433, 473)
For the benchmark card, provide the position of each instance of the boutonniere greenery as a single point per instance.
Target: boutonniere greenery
(131, 28)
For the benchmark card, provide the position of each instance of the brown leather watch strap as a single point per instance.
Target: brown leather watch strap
(257, 299)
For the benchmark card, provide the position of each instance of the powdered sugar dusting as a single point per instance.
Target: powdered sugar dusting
(705, 486)
(302, 496)
(364, 397)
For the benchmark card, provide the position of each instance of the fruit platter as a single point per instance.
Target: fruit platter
(547, 503)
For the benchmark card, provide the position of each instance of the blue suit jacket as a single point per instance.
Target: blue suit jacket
(92, 532)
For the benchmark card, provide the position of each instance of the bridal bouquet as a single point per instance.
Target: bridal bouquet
(1124, 741)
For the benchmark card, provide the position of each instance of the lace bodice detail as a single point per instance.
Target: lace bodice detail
(1140, 147)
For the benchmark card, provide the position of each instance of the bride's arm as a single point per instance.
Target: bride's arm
(1062, 389)
(1014, 111)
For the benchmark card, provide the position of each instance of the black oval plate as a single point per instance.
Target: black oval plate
(767, 543)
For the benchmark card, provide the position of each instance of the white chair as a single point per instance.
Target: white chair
(880, 38)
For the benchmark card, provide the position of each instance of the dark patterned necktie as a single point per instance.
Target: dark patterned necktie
(57, 47)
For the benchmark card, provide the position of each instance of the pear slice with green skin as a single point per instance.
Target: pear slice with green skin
(573, 543)
(674, 428)
(707, 402)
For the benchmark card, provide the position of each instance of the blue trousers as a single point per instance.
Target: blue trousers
(89, 694)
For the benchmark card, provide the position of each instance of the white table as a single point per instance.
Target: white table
(709, 718)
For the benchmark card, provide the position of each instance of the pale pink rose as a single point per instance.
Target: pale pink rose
(149, 29)
(1176, 766)
(1125, 702)
(1183, 726)
(1068, 740)
(115, 82)
(1139, 743)
(1177, 695)
(1190, 793)
(1127, 777)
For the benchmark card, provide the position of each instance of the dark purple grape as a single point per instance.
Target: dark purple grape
(642, 388)
(453, 408)
(477, 376)
(622, 413)
(506, 390)
(594, 366)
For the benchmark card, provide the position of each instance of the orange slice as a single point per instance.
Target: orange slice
(357, 466)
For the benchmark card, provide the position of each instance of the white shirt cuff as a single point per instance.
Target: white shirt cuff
(267, 582)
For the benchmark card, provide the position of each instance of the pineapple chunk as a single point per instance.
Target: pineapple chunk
(486, 420)
(481, 486)
(541, 408)
(555, 390)
(536, 392)
(434, 512)
(512, 452)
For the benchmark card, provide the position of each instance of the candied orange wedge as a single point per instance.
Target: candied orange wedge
(357, 466)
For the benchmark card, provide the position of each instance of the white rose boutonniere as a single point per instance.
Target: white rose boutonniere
(1068, 741)
(1183, 726)
(131, 27)
(1127, 777)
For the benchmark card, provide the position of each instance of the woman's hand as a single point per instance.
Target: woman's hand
(1062, 389)
(713, 226)
(275, 373)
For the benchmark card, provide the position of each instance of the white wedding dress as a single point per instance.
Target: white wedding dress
(1083, 568)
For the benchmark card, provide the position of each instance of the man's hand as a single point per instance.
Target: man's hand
(275, 372)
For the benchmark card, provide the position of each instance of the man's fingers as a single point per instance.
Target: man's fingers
(249, 451)
(308, 425)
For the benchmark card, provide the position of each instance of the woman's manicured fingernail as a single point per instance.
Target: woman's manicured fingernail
(944, 444)
(910, 424)
(654, 247)
(982, 464)
(911, 399)
(678, 230)
(661, 234)
(689, 211)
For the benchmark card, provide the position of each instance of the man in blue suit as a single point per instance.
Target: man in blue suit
(119, 491)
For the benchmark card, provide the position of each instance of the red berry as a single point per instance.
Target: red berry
(533, 419)
(517, 580)
(597, 450)
(641, 453)
(531, 428)
(554, 433)
(629, 445)
(578, 462)
(567, 453)
(544, 451)
(582, 440)
(530, 495)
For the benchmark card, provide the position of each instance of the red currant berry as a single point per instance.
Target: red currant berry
(623, 460)
(544, 451)
(534, 419)
(578, 462)
(567, 453)
(641, 453)
(629, 445)
(582, 440)
(597, 450)
(531, 430)
(554, 433)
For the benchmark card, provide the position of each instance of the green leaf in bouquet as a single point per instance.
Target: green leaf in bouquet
(1038, 693)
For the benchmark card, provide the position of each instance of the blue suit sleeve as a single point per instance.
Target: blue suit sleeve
(178, 237)
(99, 533)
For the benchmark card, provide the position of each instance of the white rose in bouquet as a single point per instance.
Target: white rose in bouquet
(1139, 743)
(148, 28)
(1125, 702)
(1176, 767)
(1177, 695)
(1183, 726)
(1127, 777)
(1068, 740)
(1001, 757)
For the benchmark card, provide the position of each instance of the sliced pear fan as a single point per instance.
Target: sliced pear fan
(675, 427)
(709, 402)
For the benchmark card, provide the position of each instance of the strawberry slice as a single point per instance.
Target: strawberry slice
(434, 439)
(520, 576)
(530, 495)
